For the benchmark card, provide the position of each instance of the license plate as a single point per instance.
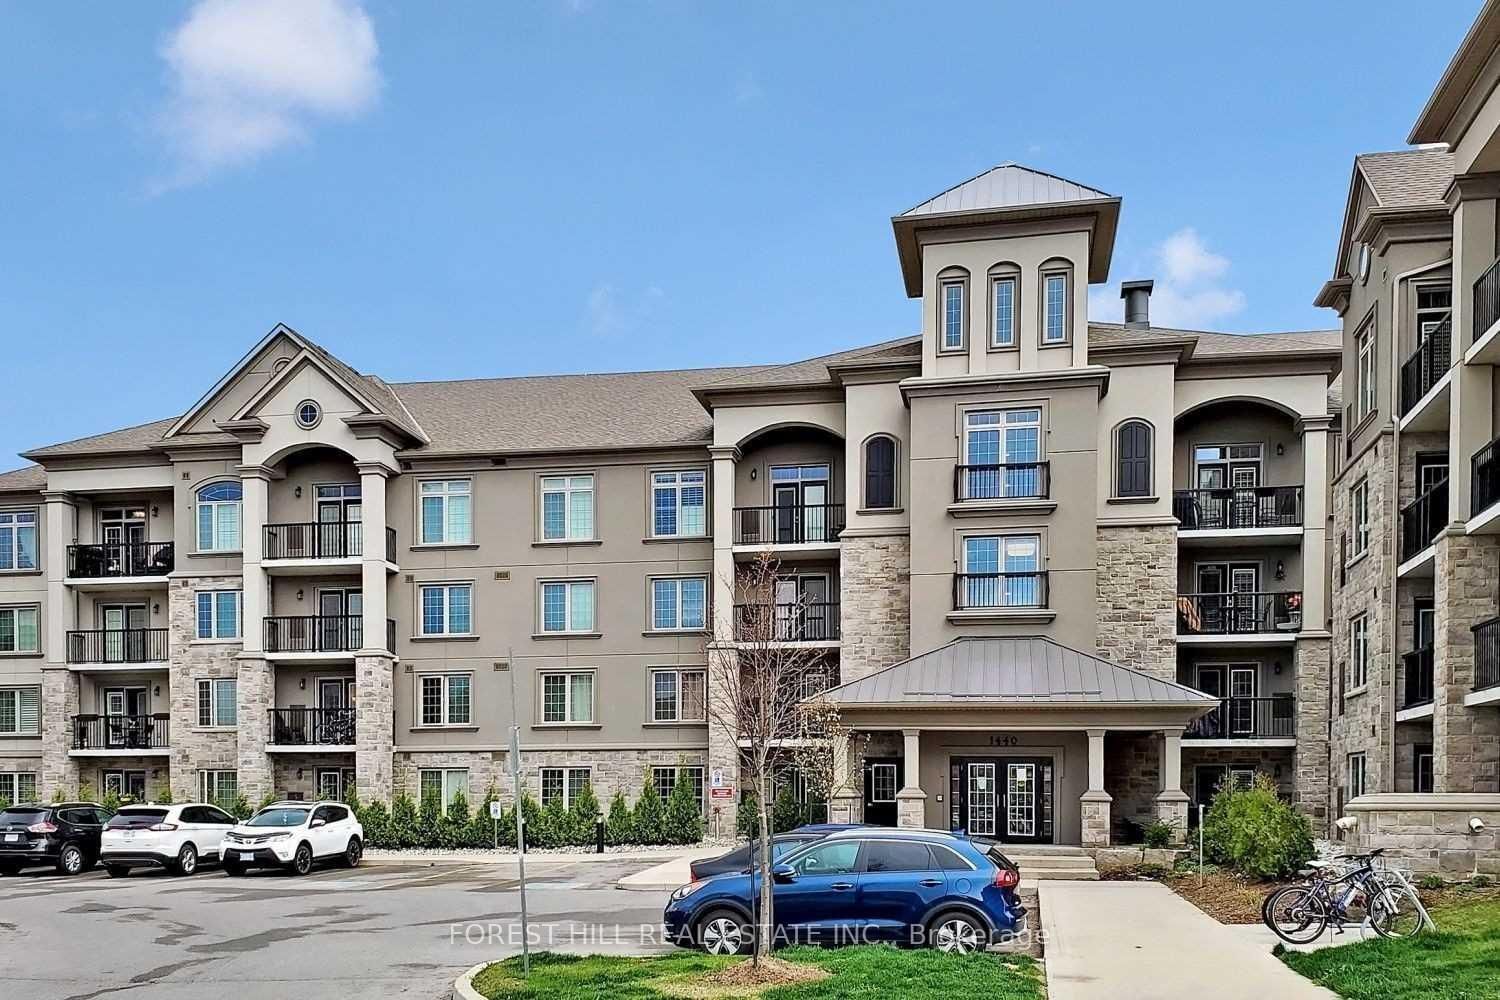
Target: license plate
(12, 838)
(127, 835)
(246, 857)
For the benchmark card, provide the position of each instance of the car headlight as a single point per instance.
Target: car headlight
(278, 836)
(683, 892)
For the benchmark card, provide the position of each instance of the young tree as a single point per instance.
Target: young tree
(756, 687)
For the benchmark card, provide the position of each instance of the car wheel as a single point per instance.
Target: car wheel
(117, 871)
(187, 860)
(724, 932)
(956, 934)
(233, 869)
(70, 861)
(302, 860)
(353, 853)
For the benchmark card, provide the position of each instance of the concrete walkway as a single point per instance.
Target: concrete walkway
(670, 873)
(1106, 940)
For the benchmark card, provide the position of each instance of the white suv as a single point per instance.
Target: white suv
(173, 837)
(293, 835)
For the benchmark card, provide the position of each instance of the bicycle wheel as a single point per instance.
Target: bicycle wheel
(1296, 914)
(1394, 914)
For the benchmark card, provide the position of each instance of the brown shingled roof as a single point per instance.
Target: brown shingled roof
(28, 480)
(1407, 178)
(814, 371)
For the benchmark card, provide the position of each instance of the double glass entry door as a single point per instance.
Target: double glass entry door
(1007, 798)
(124, 632)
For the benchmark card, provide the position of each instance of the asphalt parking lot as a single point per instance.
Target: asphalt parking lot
(376, 931)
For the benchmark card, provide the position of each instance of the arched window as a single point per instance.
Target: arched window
(880, 473)
(219, 517)
(1133, 459)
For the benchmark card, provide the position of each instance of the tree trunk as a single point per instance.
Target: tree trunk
(766, 923)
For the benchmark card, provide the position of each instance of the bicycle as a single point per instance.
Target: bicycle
(1357, 889)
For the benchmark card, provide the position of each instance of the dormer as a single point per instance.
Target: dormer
(1002, 264)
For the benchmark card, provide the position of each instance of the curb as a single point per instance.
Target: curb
(463, 986)
(429, 861)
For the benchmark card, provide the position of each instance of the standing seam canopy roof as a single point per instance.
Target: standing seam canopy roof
(1022, 671)
(1008, 185)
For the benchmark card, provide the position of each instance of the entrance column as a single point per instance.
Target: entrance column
(1096, 800)
(1172, 801)
(843, 802)
(911, 801)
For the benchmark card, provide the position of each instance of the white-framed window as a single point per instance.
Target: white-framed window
(17, 786)
(1002, 571)
(665, 779)
(1002, 454)
(444, 783)
(219, 516)
(445, 699)
(679, 695)
(218, 614)
(216, 702)
(1359, 518)
(447, 512)
(1055, 307)
(17, 539)
(219, 787)
(1359, 651)
(568, 606)
(309, 414)
(568, 697)
(561, 784)
(1356, 775)
(568, 508)
(18, 630)
(447, 608)
(679, 602)
(678, 504)
(1433, 301)
(20, 711)
(1003, 327)
(952, 292)
(1365, 371)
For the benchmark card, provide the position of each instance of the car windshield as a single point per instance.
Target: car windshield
(279, 817)
(25, 817)
(135, 819)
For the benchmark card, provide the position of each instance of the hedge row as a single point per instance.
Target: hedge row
(786, 814)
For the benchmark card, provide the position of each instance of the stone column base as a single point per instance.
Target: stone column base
(843, 806)
(911, 808)
(1095, 818)
(374, 703)
(1172, 809)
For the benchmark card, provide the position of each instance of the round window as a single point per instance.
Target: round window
(308, 413)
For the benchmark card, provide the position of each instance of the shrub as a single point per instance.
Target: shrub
(1431, 883)
(240, 808)
(429, 815)
(111, 802)
(162, 796)
(1255, 833)
(453, 825)
(266, 800)
(684, 816)
(583, 817)
(1480, 881)
(376, 820)
(786, 812)
(1158, 834)
(747, 822)
(619, 828)
(535, 824)
(85, 793)
(481, 829)
(404, 829)
(555, 829)
(649, 816)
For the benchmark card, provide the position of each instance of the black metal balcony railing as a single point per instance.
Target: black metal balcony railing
(118, 645)
(1247, 719)
(1416, 673)
(1486, 301)
(1487, 654)
(1245, 613)
(116, 559)
(1423, 520)
(1428, 363)
(994, 591)
(120, 732)
(788, 524)
(321, 633)
(1011, 481)
(816, 621)
(1484, 478)
(1238, 507)
(314, 540)
(312, 726)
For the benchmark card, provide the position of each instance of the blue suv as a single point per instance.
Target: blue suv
(946, 890)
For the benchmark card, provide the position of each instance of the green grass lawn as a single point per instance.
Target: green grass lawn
(857, 973)
(1460, 962)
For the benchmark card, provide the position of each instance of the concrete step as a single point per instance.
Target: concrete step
(1053, 860)
(1078, 874)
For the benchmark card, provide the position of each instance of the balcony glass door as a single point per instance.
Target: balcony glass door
(339, 515)
(124, 709)
(124, 635)
(800, 495)
(1242, 701)
(123, 531)
(339, 625)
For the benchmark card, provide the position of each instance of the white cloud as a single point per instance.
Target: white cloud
(248, 76)
(1189, 293)
(609, 314)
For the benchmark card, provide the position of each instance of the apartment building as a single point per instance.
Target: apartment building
(1064, 575)
(1415, 727)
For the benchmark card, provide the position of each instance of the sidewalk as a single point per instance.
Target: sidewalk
(668, 874)
(1101, 936)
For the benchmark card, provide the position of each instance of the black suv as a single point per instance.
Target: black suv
(65, 836)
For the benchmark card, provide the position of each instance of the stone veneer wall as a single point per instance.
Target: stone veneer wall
(375, 706)
(295, 775)
(28, 765)
(1137, 582)
(1466, 741)
(1309, 791)
(1277, 764)
(1430, 832)
(196, 749)
(875, 599)
(611, 771)
(91, 773)
(59, 705)
(1132, 777)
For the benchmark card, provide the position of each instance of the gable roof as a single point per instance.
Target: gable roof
(1447, 116)
(1007, 185)
(1407, 178)
(1012, 671)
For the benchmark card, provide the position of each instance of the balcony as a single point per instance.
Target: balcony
(793, 622)
(118, 648)
(1253, 514)
(312, 728)
(1422, 521)
(1484, 480)
(789, 525)
(1426, 366)
(1002, 484)
(1486, 302)
(1487, 656)
(119, 563)
(320, 636)
(1416, 679)
(105, 735)
(1273, 718)
(1005, 596)
(317, 546)
(1239, 617)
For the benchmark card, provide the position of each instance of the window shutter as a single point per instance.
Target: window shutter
(1134, 457)
(30, 714)
(880, 473)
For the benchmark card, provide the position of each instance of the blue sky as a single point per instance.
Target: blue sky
(460, 190)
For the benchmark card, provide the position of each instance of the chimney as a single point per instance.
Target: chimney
(1137, 296)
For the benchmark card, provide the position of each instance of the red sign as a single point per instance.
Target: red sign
(721, 793)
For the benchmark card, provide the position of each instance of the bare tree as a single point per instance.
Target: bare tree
(757, 683)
